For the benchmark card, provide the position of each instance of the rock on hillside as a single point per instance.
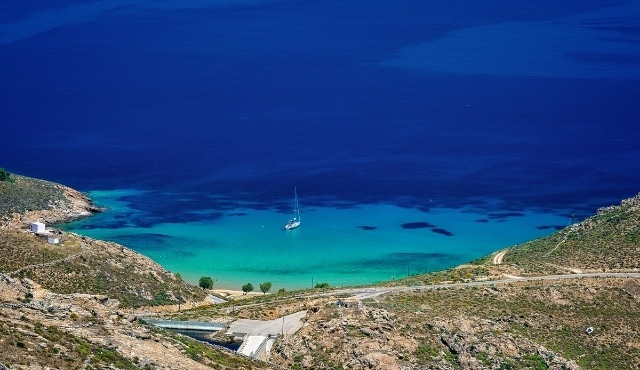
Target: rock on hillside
(367, 337)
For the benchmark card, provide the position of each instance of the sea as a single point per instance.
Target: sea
(419, 135)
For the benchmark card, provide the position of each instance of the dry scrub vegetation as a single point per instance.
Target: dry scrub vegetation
(91, 266)
(24, 194)
(44, 330)
(525, 325)
(608, 241)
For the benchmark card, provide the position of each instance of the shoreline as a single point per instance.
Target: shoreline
(233, 294)
(334, 247)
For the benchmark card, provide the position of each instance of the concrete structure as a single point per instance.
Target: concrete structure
(53, 240)
(257, 346)
(37, 227)
(187, 325)
(258, 336)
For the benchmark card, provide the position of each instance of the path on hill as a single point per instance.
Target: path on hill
(50, 263)
(556, 247)
(497, 259)
(364, 293)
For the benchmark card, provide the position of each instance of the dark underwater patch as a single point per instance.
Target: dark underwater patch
(413, 256)
(417, 225)
(187, 217)
(183, 253)
(151, 237)
(285, 270)
(365, 227)
(144, 241)
(482, 220)
(438, 230)
(103, 225)
(547, 227)
(503, 215)
(235, 214)
(416, 262)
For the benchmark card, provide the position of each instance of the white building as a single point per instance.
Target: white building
(37, 227)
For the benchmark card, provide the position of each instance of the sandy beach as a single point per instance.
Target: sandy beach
(232, 294)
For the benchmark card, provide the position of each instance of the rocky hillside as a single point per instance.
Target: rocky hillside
(44, 330)
(607, 241)
(83, 265)
(78, 264)
(516, 326)
(24, 200)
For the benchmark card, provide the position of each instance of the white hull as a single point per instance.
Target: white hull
(292, 225)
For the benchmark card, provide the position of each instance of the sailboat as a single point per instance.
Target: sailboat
(295, 221)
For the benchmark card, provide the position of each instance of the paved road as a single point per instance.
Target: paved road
(291, 323)
(288, 325)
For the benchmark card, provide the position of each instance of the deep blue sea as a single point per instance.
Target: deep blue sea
(419, 134)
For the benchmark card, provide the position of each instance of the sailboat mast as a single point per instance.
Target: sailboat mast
(295, 193)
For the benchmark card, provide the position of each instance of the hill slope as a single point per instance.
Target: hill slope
(607, 241)
(78, 264)
(25, 199)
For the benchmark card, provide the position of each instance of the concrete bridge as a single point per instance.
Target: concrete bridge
(188, 325)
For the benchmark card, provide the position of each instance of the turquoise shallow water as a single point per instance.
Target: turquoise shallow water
(340, 246)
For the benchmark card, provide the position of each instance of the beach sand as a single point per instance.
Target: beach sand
(233, 294)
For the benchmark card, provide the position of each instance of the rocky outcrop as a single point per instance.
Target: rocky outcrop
(27, 200)
(93, 319)
(373, 338)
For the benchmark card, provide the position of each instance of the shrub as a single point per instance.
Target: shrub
(265, 287)
(5, 175)
(205, 282)
(248, 287)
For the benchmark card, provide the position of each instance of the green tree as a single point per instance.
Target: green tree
(248, 287)
(265, 287)
(322, 285)
(5, 175)
(205, 282)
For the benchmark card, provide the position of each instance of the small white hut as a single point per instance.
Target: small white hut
(37, 228)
